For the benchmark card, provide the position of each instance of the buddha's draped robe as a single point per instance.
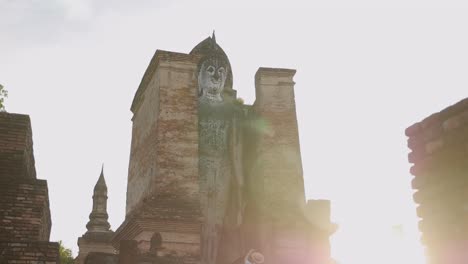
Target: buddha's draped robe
(221, 181)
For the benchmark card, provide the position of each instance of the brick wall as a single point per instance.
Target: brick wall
(24, 210)
(439, 152)
(278, 162)
(162, 189)
(16, 151)
(164, 151)
(24, 204)
(29, 252)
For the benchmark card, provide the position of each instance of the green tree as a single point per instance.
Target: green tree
(3, 95)
(66, 256)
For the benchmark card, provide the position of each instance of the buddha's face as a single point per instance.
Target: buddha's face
(211, 79)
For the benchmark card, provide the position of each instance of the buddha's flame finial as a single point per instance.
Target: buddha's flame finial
(213, 40)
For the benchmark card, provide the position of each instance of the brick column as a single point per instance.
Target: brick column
(163, 192)
(439, 152)
(278, 158)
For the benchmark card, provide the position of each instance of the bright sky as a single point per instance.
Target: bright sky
(365, 71)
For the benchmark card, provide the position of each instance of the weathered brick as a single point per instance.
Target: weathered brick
(441, 178)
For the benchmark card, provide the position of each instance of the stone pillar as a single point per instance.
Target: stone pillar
(439, 151)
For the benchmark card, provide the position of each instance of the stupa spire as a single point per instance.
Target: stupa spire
(98, 237)
(98, 217)
(101, 183)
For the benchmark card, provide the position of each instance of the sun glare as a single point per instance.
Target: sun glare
(377, 244)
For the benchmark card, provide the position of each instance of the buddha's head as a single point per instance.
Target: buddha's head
(212, 78)
(214, 72)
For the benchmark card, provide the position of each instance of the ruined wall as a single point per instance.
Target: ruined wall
(29, 252)
(24, 210)
(177, 142)
(277, 154)
(164, 156)
(162, 192)
(16, 154)
(439, 152)
(142, 167)
(24, 204)
(289, 230)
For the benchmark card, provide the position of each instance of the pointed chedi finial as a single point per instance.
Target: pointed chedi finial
(98, 217)
(101, 183)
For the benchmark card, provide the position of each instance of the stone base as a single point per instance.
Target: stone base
(180, 240)
(101, 258)
(94, 243)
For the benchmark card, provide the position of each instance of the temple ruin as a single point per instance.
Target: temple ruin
(212, 180)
